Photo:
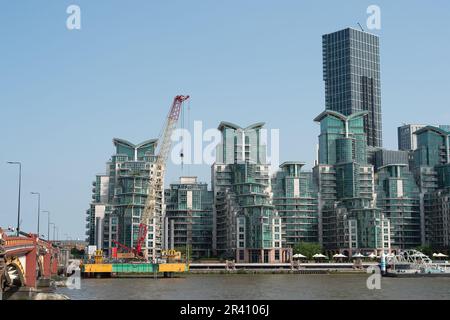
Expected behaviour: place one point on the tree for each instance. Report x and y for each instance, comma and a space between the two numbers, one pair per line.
307, 249
427, 250
77, 254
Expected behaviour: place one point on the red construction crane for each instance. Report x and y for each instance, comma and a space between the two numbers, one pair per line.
156, 184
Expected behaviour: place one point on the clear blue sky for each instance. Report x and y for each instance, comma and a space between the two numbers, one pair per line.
65, 94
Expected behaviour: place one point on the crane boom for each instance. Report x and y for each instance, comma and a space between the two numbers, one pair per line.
152, 210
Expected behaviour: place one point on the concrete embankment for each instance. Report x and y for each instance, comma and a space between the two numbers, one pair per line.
24, 293
278, 268
44, 290
276, 271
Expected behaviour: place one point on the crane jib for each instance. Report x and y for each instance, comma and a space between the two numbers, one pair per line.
176, 107
150, 209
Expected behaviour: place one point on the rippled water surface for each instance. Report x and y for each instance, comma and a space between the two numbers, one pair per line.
263, 286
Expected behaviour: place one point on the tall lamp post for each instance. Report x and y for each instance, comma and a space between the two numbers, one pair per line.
48, 224
20, 184
39, 209
54, 230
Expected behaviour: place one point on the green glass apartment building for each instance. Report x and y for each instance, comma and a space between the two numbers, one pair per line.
124, 191
432, 173
189, 217
349, 220
398, 196
247, 227
295, 198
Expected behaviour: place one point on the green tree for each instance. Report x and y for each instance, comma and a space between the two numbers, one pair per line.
428, 250
76, 254
307, 249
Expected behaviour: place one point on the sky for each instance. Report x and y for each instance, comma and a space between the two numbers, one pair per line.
65, 94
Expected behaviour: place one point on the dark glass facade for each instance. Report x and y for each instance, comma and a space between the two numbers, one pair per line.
351, 71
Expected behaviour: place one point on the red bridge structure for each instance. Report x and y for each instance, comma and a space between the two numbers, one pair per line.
25, 259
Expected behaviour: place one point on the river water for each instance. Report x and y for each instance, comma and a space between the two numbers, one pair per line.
260, 286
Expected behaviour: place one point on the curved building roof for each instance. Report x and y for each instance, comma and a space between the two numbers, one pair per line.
339, 115
117, 141
225, 124
440, 131
289, 163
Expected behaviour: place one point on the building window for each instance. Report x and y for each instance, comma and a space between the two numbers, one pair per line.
266, 256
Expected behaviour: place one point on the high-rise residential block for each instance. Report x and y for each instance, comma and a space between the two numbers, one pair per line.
383, 157
122, 191
351, 71
247, 227
295, 198
407, 140
399, 199
437, 218
433, 147
96, 212
432, 172
189, 223
349, 219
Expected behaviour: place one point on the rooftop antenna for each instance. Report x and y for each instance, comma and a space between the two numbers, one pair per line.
361, 27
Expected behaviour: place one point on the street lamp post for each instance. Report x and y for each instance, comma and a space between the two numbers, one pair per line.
20, 185
48, 224
39, 209
54, 228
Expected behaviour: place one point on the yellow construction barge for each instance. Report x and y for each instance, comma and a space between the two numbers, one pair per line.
99, 268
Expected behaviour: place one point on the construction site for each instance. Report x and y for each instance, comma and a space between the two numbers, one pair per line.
141, 252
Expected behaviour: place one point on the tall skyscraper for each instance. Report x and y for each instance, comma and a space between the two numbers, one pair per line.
351, 71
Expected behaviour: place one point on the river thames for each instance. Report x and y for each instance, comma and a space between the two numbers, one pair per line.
260, 286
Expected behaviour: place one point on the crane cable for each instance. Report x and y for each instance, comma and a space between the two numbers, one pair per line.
184, 127
189, 126
182, 138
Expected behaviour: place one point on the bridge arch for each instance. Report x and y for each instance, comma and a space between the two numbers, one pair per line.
14, 273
